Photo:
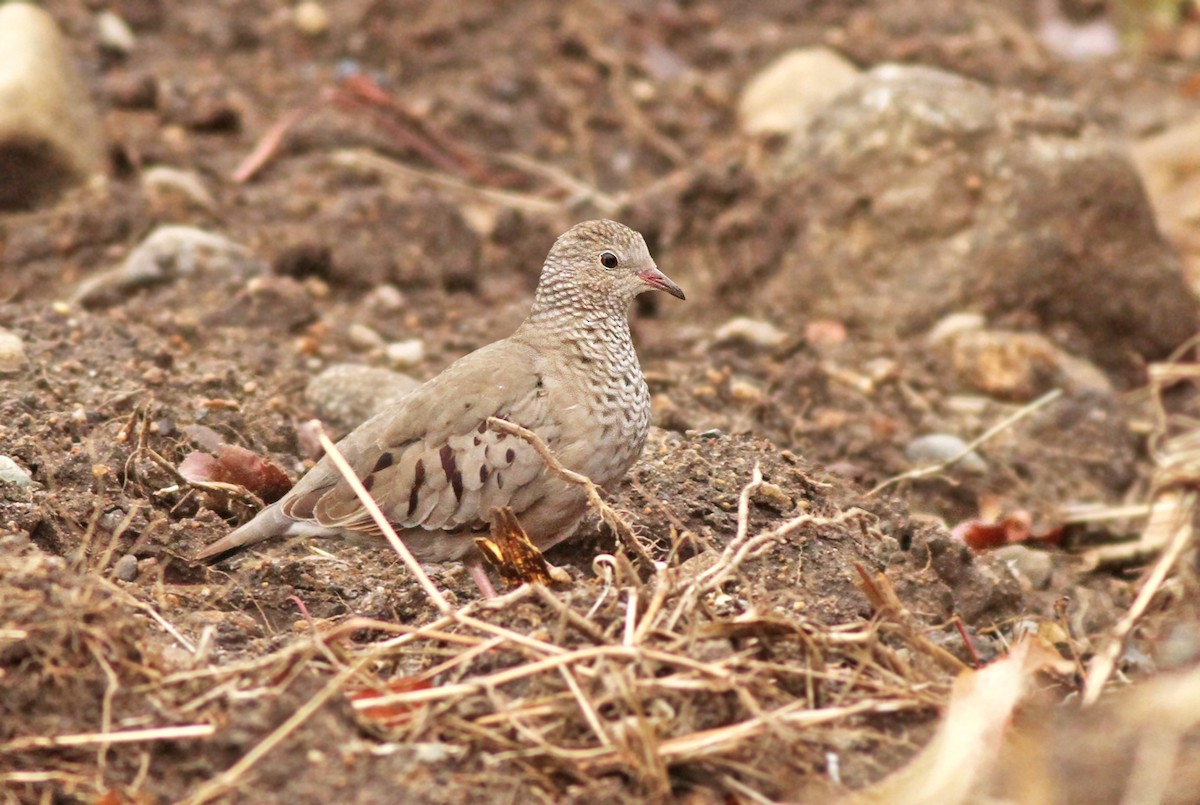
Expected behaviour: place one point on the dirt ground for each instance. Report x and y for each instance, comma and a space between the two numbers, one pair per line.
637, 100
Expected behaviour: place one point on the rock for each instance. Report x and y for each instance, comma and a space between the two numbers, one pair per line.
1019, 366
363, 338
50, 134
167, 253
1169, 163
783, 98
162, 183
1034, 566
126, 568
403, 354
279, 303
13, 473
921, 193
12, 352
952, 325
345, 395
750, 331
114, 34
311, 18
1077, 40
938, 448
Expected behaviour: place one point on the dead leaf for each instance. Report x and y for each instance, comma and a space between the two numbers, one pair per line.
237, 465
510, 551
979, 535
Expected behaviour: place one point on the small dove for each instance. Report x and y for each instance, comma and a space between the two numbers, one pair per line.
569, 373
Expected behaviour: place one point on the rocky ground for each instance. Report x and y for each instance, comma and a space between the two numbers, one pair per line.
930, 228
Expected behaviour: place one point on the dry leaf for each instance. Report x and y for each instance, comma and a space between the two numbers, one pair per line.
516, 558
968, 742
237, 465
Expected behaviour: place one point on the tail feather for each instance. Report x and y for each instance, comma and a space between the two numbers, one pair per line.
270, 522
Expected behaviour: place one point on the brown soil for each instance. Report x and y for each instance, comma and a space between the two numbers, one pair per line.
232, 349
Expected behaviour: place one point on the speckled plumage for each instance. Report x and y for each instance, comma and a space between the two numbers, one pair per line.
569, 373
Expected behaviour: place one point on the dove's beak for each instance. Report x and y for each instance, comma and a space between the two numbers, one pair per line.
656, 279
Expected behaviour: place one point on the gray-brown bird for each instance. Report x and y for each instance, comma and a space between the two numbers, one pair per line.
569, 373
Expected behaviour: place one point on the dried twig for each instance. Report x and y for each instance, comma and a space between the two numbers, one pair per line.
101, 738
607, 513
1105, 661
364, 497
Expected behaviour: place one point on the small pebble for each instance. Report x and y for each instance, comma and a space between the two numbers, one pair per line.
772, 495
126, 568
403, 354
936, 448
1034, 566
750, 331
745, 392
952, 325
12, 352
311, 18
114, 33
385, 298
13, 473
363, 337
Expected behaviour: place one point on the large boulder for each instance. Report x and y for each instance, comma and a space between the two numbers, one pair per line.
50, 133
921, 193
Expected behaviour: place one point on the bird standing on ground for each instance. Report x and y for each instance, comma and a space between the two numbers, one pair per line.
569, 373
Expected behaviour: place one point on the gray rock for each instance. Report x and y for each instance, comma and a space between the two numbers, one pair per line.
13, 473
1035, 567
924, 193
12, 352
167, 253
1018, 366
126, 568
345, 395
50, 134
936, 448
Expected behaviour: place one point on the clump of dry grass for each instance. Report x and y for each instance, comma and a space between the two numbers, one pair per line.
662, 673
71, 654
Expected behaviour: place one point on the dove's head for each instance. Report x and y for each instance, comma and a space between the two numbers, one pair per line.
599, 265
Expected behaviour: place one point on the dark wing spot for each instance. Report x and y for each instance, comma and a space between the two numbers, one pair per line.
384, 462
456, 483
499, 481
483, 473
418, 482
477, 441
368, 482
446, 454
483, 426
509, 456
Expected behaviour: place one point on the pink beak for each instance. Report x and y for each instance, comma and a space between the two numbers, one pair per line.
656, 279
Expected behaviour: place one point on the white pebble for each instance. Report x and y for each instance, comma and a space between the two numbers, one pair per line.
937, 448
12, 352
114, 33
751, 331
406, 353
311, 18
363, 337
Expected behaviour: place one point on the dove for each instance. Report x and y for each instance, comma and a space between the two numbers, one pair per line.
569, 373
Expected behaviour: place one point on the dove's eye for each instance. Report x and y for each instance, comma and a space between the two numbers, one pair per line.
608, 260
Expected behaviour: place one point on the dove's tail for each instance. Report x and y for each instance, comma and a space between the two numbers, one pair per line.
270, 522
